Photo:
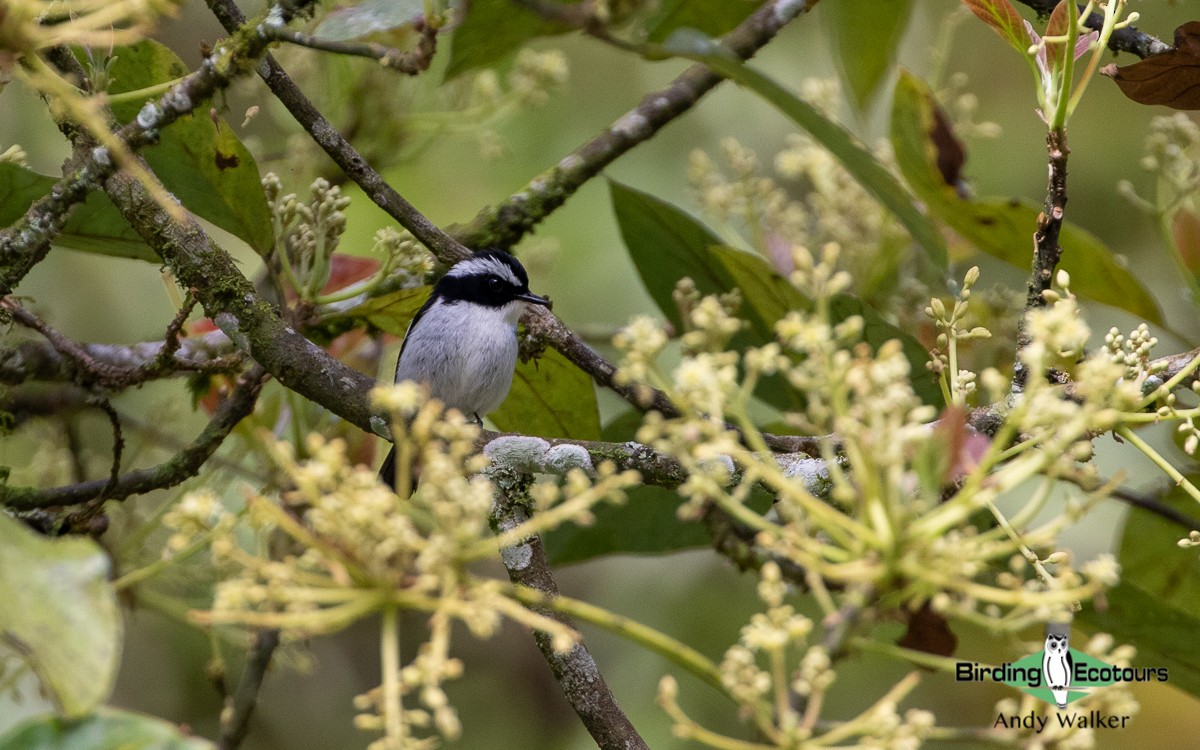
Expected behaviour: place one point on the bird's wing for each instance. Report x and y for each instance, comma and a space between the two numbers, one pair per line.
413, 324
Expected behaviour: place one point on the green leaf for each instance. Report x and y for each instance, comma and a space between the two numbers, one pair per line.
550, 397
1156, 607
866, 36
1004, 19
493, 30
107, 728
93, 227
391, 312
712, 17
369, 17
60, 615
666, 244
854, 157
1003, 228
201, 161
767, 296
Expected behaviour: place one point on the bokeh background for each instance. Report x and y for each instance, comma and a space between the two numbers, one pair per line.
507, 699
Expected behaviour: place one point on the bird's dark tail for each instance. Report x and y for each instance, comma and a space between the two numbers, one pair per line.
387, 472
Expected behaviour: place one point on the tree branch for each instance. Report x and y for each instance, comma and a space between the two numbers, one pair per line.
232, 302
182, 466
19, 405
1128, 39
235, 719
576, 671
210, 352
410, 62
504, 224
25, 243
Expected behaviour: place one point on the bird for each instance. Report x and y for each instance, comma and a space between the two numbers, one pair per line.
462, 344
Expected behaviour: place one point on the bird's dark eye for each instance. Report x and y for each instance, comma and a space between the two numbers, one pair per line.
495, 284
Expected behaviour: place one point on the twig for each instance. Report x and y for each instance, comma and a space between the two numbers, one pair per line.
183, 465
409, 62
109, 366
1128, 39
114, 421
504, 224
235, 718
1046, 252
1157, 507
576, 671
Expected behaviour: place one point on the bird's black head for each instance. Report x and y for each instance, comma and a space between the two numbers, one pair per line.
492, 278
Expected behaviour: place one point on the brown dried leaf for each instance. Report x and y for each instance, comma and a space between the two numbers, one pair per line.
1171, 79
928, 632
951, 154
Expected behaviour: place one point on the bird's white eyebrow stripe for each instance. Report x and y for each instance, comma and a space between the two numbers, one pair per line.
483, 266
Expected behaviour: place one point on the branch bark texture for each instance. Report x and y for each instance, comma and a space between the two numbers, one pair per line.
1128, 39
576, 671
25, 243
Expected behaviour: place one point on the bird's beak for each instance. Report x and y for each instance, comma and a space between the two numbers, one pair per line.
536, 299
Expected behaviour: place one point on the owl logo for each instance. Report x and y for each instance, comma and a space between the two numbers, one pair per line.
1057, 665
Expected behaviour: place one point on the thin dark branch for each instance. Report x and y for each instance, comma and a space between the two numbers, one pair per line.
1152, 504
118, 438
235, 719
1173, 364
504, 224
411, 62
447, 249
75, 445
1128, 39
132, 364
182, 466
576, 672
173, 336
19, 405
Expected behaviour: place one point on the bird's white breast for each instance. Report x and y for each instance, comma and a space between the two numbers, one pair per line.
465, 353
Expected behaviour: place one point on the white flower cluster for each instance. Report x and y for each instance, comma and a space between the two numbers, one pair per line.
779, 681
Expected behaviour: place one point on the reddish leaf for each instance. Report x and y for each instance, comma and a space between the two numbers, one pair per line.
1003, 17
1171, 79
347, 269
1187, 239
1062, 21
